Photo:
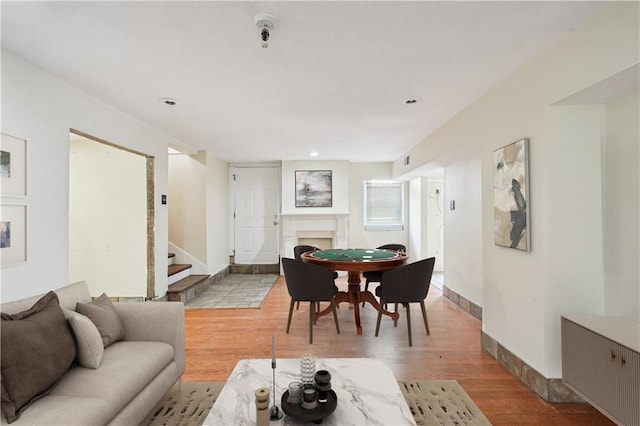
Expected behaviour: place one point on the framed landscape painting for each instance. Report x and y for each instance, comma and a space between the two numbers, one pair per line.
13, 166
511, 195
13, 234
313, 188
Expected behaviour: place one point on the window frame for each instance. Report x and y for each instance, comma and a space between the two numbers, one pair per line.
393, 224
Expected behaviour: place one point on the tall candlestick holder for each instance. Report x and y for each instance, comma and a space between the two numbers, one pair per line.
275, 413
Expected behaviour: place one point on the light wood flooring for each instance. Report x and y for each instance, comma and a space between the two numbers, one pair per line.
217, 338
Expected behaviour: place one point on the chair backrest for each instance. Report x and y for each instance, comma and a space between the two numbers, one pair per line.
299, 250
408, 283
395, 247
308, 282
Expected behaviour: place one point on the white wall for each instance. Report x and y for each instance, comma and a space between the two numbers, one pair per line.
463, 246
340, 193
41, 108
574, 240
187, 204
348, 197
358, 237
218, 221
517, 292
621, 206
107, 219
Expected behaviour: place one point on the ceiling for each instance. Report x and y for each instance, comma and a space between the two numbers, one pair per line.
334, 78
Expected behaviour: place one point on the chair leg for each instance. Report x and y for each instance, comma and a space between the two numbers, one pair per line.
378, 321
406, 306
395, 321
424, 316
297, 306
335, 316
312, 315
290, 314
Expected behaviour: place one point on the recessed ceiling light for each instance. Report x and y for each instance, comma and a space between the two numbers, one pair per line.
168, 101
314, 154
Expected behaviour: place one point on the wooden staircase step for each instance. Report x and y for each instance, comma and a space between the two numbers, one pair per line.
171, 255
174, 269
185, 283
187, 288
254, 269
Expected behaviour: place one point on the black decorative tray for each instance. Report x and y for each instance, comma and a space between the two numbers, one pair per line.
315, 415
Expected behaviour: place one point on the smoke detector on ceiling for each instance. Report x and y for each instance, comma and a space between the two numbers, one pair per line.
265, 23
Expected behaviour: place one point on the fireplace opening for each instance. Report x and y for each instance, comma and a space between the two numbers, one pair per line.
321, 243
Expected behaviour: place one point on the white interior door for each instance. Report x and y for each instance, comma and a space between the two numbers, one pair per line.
256, 201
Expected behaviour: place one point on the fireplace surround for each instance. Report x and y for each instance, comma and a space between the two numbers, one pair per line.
331, 229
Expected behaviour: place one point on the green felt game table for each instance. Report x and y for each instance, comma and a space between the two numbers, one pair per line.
356, 261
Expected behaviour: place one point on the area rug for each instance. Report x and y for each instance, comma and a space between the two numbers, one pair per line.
432, 402
441, 402
187, 404
235, 291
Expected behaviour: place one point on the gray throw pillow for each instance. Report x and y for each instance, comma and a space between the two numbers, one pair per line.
37, 348
88, 340
102, 313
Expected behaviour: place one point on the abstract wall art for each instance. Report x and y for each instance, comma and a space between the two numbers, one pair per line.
313, 188
511, 196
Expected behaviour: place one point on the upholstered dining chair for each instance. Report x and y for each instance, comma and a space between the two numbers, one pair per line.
298, 251
375, 276
404, 285
311, 283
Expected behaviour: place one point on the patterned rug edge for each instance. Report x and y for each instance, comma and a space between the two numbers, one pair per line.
432, 402
441, 402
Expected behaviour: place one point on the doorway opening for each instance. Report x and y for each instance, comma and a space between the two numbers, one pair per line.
111, 218
426, 220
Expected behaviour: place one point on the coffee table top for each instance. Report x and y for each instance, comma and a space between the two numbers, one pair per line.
367, 391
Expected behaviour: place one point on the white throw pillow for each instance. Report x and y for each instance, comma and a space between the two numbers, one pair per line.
88, 339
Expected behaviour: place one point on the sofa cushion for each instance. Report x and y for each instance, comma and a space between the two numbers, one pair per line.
55, 410
102, 313
37, 348
88, 340
126, 369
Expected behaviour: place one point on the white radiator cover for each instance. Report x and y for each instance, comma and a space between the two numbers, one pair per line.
601, 363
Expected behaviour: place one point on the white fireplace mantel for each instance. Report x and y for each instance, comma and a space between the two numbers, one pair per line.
297, 226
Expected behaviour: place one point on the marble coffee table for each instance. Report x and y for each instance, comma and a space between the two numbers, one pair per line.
367, 391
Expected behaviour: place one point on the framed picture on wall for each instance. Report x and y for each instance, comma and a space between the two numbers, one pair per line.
313, 188
13, 166
13, 234
511, 195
